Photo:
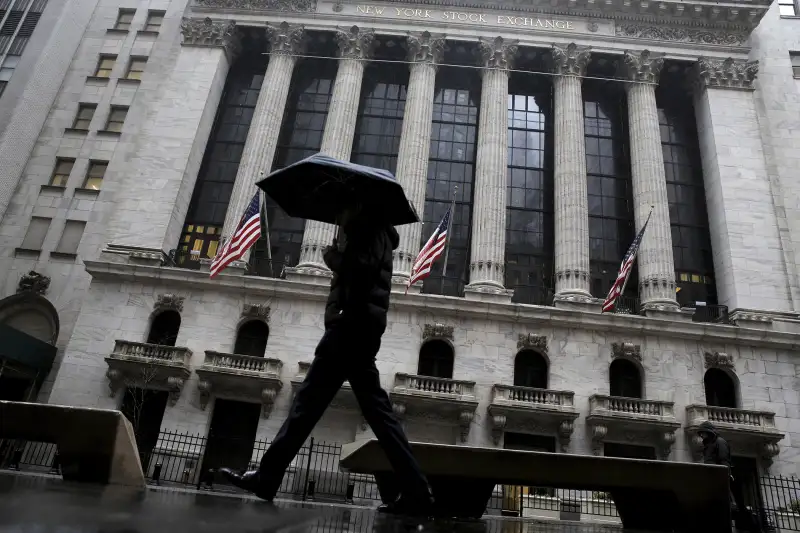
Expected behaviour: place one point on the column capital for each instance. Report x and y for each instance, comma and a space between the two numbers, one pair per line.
423, 47
571, 60
285, 38
355, 43
643, 66
497, 53
725, 73
210, 33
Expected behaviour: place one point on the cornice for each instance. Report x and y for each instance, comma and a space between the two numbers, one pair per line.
447, 308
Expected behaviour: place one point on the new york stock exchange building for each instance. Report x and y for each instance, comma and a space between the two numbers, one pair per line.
555, 126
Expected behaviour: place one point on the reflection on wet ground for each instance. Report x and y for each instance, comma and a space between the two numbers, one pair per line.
41, 504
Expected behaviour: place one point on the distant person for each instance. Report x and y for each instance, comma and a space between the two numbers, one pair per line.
355, 319
717, 452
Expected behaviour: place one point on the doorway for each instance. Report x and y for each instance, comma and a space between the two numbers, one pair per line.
144, 409
231, 436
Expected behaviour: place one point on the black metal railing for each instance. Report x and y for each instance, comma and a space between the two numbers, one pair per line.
713, 314
193, 460
450, 286
533, 295
627, 305
268, 268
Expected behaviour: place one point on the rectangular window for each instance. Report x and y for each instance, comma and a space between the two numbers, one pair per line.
136, 68
795, 56
84, 116
124, 19
61, 172
71, 237
104, 66
154, 20
37, 231
787, 8
95, 175
9, 64
116, 118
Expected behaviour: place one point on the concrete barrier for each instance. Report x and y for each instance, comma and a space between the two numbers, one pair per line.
648, 495
94, 445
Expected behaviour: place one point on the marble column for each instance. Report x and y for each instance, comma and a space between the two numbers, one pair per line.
487, 257
162, 169
286, 41
655, 262
571, 203
424, 52
355, 47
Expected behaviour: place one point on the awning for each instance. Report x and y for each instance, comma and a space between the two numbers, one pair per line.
19, 347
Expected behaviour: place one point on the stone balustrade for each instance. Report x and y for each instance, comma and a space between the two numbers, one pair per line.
436, 386
151, 352
242, 363
541, 411
743, 427
245, 377
731, 416
631, 406
531, 396
148, 366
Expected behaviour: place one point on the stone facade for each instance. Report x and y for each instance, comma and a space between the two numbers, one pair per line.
749, 142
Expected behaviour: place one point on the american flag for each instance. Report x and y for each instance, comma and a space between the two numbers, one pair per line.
247, 233
624, 270
431, 251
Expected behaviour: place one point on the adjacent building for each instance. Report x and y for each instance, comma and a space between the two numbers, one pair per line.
557, 128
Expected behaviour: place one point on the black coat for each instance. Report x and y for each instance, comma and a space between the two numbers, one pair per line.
715, 450
362, 277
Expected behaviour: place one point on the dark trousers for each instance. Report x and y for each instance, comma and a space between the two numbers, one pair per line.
344, 353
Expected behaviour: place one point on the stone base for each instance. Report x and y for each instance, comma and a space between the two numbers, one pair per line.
399, 285
234, 268
576, 302
314, 275
748, 318
667, 313
482, 293
118, 253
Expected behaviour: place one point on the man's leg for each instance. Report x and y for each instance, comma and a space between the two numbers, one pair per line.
377, 410
324, 378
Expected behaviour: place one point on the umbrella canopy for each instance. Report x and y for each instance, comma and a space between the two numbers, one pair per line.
321, 188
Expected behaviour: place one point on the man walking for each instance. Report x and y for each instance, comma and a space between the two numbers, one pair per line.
717, 452
355, 319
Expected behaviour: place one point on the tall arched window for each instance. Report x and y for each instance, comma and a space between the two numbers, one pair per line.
720, 388
625, 380
530, 370
251, 339
452, 163
436, 359
164, 328
529, 200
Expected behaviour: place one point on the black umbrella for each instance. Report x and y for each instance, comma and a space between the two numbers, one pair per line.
321, 187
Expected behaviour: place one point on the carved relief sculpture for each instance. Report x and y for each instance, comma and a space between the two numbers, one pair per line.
355, 43
718, 360
169, 302
726, 73
286, 38
627, 350
437, 331
259, 311
643, 66
687, 35
293, 6
425, 48
497, 53
33, 282
498, 426
532, 341
571, 60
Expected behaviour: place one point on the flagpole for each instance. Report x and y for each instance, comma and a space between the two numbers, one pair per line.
625, 284
449, 237
265, 227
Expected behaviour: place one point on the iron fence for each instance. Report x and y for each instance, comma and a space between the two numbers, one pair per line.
713, 314
193, 460
533, 295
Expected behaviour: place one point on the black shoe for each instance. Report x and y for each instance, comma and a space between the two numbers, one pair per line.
249, 481
409, 507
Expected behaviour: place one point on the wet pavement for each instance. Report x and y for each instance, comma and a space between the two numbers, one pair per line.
41, 504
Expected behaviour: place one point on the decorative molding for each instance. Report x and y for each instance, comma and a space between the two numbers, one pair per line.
425, 47
665, 445
464, 422
565, 429
599, 433
437, 331
285, 38
210, 33
532, 341
115, 380
719, 360
169, 301
725, 73
497, 53
399, 409
174, 386
644, 66
293, 6
258, 311
355, 43
626, 350
684, 35
268, 396
571, 60
33, 282
498, 427
204, 387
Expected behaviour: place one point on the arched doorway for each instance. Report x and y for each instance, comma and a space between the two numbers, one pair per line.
251, 339
720, 388
164, 328
625, 379
530, 370
436, 359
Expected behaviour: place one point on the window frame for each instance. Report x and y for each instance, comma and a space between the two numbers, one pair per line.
59, 161
78, 119
793, 4
119, 24
99, 68
110, 121
59, 250
94, 163
38, 248
794, 59
133, 60
149, 21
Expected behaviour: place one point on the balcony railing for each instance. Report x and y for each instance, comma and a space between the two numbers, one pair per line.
452, 286
633, 406
242, 363
730, 416
435, 386
627, 305
510, 394
151, 352
533, 295
713, 314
